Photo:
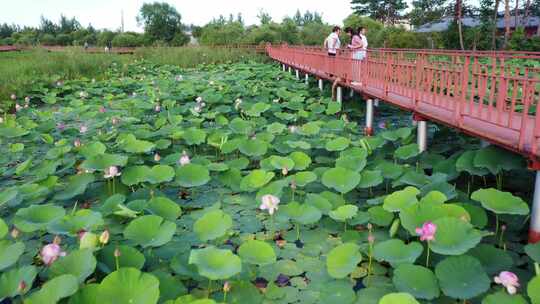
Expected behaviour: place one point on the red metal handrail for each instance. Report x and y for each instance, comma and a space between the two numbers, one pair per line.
485, 94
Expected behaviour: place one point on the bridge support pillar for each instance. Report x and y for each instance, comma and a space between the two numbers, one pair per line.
321, 84
422, 135
368, 130
534, 229
307, 79
290, 69
284, 67
297, 74
339, 94
351, 93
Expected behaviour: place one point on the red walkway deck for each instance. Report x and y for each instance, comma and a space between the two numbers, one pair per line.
490, 95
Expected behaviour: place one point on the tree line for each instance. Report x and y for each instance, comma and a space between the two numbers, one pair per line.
384, 19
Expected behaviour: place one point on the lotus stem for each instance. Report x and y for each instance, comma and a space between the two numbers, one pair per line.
209, 291
501, 239
496, 225
225, 297
537, 268
113, 186
74, 208
116, 262
345, 222
297, 232
427, 255
370, 262
272, 227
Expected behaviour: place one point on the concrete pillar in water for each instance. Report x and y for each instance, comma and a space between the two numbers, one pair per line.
321, 85
534, 229
369, 117
339, 94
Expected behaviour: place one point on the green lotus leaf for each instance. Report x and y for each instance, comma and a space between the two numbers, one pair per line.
104, 161
10, 253
71, 224
257, 109
150, 231
304, 214
257, 252
340, 179
304, 178
333, 108
256, 179
342, 260
129, 285
396, 252
80, 263
8, 195
496, 159
77, 185
192, 175
390, 170
502, 297
129, 257
215, 264
131, 144
401, 133
533, 289
53, 290
218, 167
373, 294
194, 136
417, 281
533, 251
160, 174
253, 147
402, 199
351, 162
276, 128
379, 216
310, 128
454, 236
462, 277
500, 202
37, 217
301, 160
3, 229
212, 225
11, 131
319, 201
85, 295
280, 163
135, 175
370, 179
299, 144
465, 163
398, 298
165, 208
338, 144
407, 152
241, 126
10, 280
344, 213
416, 215
16, 148
492, 258
92, 149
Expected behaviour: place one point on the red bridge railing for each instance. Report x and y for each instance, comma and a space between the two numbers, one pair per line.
491, 95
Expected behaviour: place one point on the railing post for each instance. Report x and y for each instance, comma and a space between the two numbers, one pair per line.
297, 75
307, 79
321, 84
368, 130
461, 102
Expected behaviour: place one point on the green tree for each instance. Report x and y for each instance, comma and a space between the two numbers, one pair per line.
386, 11
425, 11
46, 26
264, 17
161, 21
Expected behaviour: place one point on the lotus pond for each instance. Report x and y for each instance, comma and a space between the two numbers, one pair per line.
237, 184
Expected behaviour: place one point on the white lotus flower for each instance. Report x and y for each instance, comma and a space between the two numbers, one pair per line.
270, 203
293, 129
112, 171
237, 103
13, 96
184, 159
83, 129
199, 99
157, 157
18, 107
27, 99
157, 108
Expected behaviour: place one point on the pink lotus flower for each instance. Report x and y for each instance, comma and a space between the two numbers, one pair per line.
77, 143
112, 171
157, 108
102, 110
18, 107
184, 159
83, 129
50, 253
509, 280
382, 125
60, 126
179, 78
270, 203
427, 231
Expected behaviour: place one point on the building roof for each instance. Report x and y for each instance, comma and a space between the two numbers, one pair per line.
444, 23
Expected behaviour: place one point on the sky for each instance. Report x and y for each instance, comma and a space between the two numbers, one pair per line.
107, 13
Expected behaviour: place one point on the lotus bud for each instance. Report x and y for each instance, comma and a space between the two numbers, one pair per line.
60, 126
83, 129
102, 110
293, 184
22, 287
184, 159
104, 237
394, 228
77, 143
157, 157
281, 243
27, 99
117, 253
157, 108
26, 106
13, 97
15, 233
50, 253
371, 238
226, 286
18, 107
88, 240
114, 121
369, 226
284, 171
